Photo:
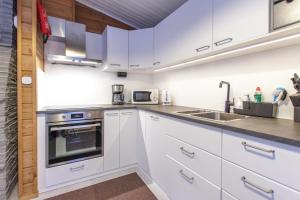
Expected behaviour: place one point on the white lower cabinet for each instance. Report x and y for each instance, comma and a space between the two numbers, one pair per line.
245, 184
201, 162
142, 155
70, 172
111, 140
155, 142
226, 196
273, 160
207, 138
120, 134
128, 136
182, 183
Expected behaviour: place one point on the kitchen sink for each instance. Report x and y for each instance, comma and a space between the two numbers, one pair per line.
191, 112
219, 116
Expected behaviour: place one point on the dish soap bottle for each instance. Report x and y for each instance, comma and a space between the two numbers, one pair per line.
258, 95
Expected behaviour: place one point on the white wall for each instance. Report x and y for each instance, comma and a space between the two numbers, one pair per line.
73, 85
195, 86
199, 86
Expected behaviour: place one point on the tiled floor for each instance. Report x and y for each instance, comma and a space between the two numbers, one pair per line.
129, 187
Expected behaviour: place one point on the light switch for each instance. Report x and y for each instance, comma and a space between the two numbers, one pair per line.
26, 80
16, 21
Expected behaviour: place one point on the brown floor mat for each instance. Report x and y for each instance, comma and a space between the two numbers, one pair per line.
129, 187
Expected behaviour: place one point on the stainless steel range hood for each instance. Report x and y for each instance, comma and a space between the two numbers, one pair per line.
74, 36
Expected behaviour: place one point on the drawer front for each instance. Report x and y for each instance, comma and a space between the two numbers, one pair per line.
204, 137
182, 183
245, 184
273, 160
226, 196
70, 172
201, 162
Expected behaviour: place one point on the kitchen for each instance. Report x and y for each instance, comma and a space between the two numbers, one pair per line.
180, 99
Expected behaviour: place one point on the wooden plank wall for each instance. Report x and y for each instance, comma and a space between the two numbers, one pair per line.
64, 9
96, 21
27, 59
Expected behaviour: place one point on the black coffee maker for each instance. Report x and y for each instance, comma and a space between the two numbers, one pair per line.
117, 94
295, 98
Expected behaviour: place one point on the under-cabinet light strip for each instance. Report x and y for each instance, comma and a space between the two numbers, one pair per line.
229, 52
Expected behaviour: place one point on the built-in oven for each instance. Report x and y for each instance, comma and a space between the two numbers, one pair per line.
73, 136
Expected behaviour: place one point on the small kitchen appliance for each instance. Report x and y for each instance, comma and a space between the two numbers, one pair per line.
148, 96
166, 97
285, 13
117, 94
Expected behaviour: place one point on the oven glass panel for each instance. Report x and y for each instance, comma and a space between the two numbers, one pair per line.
142, 96
70, 142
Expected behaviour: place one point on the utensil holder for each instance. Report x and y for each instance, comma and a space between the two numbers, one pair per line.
268, 110
295, 98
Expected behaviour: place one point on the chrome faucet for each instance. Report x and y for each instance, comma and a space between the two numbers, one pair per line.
228, 103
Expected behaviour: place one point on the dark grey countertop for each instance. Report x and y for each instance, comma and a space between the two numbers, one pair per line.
279, 130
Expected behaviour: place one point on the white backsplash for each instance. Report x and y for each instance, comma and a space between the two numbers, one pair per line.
195, 86
199, 86
74, 85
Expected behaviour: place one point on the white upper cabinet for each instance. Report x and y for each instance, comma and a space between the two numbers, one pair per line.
115, 49
236, 21
141, 50
93, 46
184, 34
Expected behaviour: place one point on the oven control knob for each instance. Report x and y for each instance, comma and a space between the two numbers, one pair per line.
88, 115
64, 116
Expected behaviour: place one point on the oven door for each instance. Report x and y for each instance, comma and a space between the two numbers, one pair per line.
141, 96
71, 142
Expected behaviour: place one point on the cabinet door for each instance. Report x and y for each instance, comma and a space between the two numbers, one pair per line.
142, 155
94, 46
155, 148
111, 140
116, 47
128, 137
141, 48
186, 33
236, 21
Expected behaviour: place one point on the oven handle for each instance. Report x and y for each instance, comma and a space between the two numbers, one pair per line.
74, 127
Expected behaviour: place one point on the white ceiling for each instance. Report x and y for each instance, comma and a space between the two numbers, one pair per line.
137, 13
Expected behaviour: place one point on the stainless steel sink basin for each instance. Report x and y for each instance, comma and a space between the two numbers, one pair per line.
219, 116
191, 112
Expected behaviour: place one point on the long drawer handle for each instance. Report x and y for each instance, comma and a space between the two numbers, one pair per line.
203, 48
134, 65
258, 148
154, 118
187, 153
186, 177
115, 65
268, 191
74, 127
156, 63
222, 42
112, 114
75, 169
126, 113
